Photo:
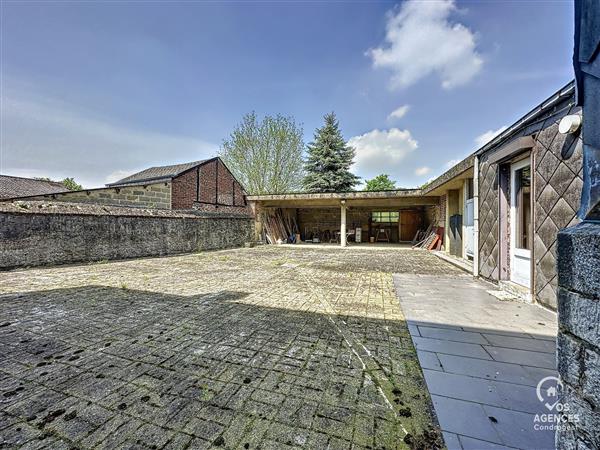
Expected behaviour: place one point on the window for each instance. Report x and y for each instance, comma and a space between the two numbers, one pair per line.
385, 216
523, 208
470, 189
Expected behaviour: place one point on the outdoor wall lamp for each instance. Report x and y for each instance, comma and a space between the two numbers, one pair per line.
569, 124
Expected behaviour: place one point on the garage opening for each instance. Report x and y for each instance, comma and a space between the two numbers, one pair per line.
363, 225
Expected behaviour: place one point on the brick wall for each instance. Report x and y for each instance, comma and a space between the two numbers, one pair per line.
39, 233
183, 190
442, 211
557, 182
146, 196
219, 191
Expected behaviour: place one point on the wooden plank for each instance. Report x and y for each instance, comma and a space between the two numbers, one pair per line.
436, 238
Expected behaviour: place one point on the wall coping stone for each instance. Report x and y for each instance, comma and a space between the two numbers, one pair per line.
91, 209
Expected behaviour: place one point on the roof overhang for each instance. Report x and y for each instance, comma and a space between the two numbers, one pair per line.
381, 199
512, 149
456, 182
453, 178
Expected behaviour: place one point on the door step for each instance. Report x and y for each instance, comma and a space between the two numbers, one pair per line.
521, 293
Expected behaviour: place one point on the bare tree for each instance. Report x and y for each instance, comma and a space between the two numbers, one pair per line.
265, 156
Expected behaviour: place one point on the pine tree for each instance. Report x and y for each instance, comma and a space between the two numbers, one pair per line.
329, 160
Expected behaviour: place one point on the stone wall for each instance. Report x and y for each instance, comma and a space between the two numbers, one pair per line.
41, 233
146, 196
557, 172
579, 334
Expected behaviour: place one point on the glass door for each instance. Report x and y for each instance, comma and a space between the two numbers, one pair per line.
521, 237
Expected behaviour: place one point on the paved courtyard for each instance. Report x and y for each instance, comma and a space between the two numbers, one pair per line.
482, 359
248, 348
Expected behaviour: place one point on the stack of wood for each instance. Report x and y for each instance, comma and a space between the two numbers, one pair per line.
421, 235
429, 239
279, 225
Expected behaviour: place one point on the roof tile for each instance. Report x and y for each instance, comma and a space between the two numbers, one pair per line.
12, 187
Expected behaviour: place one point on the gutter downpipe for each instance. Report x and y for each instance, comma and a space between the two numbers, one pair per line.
476, 216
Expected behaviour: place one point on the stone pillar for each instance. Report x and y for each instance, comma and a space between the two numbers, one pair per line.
579, 334
343, 223
578, 261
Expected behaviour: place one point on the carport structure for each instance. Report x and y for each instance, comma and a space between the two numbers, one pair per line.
379, 216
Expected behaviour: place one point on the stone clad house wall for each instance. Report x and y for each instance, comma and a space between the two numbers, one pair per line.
557, 183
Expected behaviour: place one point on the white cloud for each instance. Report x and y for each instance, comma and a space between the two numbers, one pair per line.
486, 137
382, 151
421, 39
45, 137
398, 113
420, 171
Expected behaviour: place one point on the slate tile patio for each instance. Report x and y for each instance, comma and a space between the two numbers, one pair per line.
482, 359
249, 348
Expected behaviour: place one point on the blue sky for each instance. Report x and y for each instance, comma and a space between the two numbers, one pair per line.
101, 89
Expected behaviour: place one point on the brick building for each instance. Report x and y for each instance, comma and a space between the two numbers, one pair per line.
207, 186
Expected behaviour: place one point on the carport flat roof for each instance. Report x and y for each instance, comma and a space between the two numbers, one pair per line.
399, 197
339, 195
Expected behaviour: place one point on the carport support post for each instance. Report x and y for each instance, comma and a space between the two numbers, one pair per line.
343, 223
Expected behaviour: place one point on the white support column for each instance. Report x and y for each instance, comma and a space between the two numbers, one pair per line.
476, 216
465, 198
343, 224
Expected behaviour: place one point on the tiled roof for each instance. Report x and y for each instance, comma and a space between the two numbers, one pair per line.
12, 187
156, 174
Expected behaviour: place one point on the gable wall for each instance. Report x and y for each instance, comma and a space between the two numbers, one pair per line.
183, 192
209, 188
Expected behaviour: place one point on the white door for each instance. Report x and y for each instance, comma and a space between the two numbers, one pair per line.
521, 238
469, 221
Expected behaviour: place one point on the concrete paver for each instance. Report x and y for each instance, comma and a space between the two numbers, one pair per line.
482, 359
267, 347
